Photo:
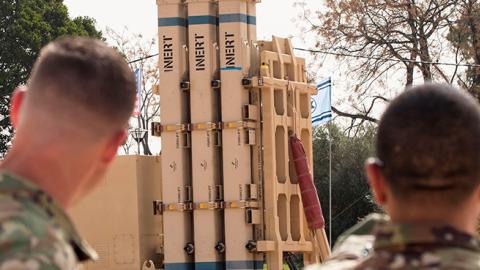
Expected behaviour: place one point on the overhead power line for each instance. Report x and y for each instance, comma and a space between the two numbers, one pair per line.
143, 58
386, 59
353, 56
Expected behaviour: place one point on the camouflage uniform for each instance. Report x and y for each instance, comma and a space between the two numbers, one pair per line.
376, 243
35, 232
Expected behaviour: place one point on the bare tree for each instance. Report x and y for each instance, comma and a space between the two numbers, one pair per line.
138, 52
382, 30
128, 145
373, 37
465, 36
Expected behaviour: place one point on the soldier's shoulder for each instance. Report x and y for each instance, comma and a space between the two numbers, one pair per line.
353, 246
458, 258
19, 219
334, 265
363, 228
357, 242
29, 240
349, 254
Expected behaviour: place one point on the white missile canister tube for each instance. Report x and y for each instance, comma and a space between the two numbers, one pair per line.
204, 116
174, 111
237, 171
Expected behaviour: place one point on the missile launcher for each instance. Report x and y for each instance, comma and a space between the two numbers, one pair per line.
229, 192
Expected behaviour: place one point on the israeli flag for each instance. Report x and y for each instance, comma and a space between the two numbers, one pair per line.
322, 103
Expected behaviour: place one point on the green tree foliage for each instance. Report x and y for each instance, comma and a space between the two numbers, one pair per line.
351, 197
25, 27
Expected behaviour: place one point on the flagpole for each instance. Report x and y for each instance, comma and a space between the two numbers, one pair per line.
330, 173
138, 109
329, 186
322, 113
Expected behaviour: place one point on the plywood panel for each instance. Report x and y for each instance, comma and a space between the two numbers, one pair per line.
117, 217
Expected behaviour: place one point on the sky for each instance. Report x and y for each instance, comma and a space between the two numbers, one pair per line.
274, 17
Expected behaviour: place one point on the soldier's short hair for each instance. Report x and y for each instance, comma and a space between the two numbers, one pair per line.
428, 142
79, 77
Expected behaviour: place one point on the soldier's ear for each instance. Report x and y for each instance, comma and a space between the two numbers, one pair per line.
376, 181
477, 194
16, 104
111, 148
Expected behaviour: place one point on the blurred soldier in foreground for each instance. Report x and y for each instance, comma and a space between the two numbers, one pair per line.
426, 178
69, 122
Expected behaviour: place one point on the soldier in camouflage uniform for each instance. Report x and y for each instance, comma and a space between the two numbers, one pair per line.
426, 178
69, 121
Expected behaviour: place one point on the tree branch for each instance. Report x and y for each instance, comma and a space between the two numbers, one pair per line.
354, 116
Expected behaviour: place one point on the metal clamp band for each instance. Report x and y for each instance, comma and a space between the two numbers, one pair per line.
242, 204
158, 128
237, 125
204, 126
176, 128
208, 205
180, 207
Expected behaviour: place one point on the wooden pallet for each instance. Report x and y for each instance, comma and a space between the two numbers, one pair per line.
285, 96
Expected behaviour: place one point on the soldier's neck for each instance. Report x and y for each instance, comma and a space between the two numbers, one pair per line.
461, 218
47, 167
